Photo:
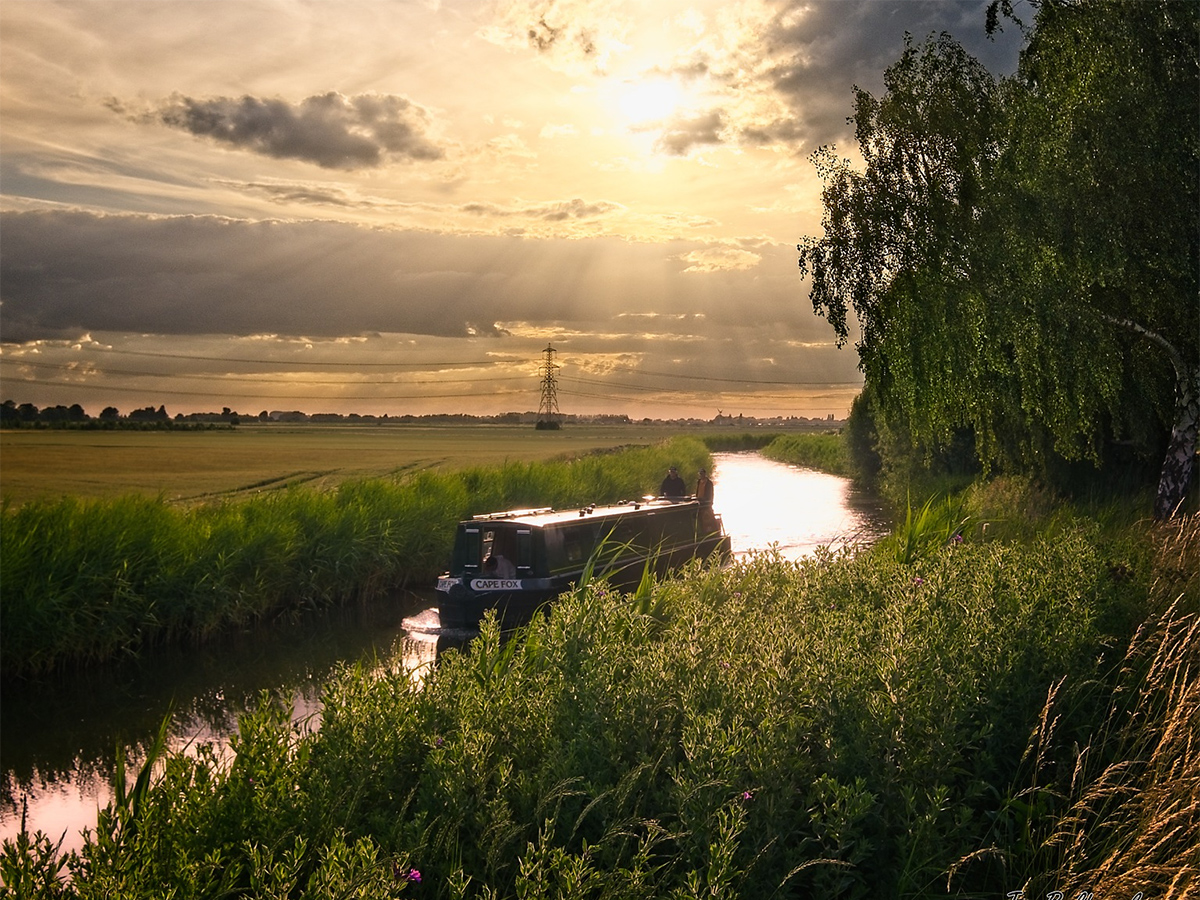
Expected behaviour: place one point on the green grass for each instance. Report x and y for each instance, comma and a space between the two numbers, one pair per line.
846, 726
89, 580
825, 452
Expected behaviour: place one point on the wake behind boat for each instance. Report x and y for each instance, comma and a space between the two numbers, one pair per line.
516, 560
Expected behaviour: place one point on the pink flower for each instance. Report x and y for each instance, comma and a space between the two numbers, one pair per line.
414, 875
747, 795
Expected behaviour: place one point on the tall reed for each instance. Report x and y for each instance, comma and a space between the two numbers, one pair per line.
88, 581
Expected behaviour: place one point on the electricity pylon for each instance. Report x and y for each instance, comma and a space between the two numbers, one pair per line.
548, 407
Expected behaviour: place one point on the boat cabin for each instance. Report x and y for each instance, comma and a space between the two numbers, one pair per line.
543, 551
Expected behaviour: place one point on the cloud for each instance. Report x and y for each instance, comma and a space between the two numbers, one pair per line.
331, 130
714, 259
682, 133
308, 194
782, 71
570, 35
559, 211
65, 273
554, 131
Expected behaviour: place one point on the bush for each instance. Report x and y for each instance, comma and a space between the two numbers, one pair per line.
849, 725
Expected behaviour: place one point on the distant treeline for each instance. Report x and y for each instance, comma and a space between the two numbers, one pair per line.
27, 415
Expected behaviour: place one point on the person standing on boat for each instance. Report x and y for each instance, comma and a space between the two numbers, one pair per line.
704, 489
672, 485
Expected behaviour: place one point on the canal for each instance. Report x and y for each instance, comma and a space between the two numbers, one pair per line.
59, 738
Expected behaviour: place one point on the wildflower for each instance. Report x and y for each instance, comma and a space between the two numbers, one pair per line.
737, 595
918, 581
747, 795
724, 664
413, 875
958, 538
438, 741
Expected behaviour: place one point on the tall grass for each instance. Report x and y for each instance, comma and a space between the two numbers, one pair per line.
738, 441
845, 726
825, 452
939, 521
88, 581
1118, 807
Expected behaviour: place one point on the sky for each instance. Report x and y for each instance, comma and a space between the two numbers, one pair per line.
396, 206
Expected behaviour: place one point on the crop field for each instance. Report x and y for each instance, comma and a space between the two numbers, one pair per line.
200, 465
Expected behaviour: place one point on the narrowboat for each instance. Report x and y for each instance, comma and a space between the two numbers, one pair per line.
517, 560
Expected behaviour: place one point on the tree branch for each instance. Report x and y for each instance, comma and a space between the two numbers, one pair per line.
1181, 369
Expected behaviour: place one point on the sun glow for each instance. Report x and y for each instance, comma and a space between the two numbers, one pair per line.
649, 101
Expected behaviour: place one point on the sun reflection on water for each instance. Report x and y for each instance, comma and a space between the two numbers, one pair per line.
767, 504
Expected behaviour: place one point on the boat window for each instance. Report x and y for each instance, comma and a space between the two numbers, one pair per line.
524, 548
577, 542
471, 555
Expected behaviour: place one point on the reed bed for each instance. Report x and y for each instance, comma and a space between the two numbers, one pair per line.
825, 452
89, 581
853, 725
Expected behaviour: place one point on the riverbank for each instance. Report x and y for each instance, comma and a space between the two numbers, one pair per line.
1007, 709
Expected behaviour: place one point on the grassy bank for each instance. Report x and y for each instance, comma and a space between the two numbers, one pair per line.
824, 452
1012, 710
90, 580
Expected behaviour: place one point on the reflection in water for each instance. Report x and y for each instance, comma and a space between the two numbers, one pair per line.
58, 737
768, 504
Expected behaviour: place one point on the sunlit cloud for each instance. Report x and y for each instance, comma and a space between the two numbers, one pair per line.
575, 36
713, 259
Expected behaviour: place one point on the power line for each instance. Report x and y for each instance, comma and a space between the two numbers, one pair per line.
749, 402
730, 381
289, 397
67, 367
284, 362
638, 371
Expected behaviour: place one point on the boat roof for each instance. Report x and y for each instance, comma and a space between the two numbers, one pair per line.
550, 516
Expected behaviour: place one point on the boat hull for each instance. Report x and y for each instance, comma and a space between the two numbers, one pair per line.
466, 600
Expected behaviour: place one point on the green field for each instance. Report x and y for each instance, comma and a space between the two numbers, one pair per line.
199, 465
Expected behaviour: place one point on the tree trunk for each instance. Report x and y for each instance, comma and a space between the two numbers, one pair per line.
1177, 466
1181, 451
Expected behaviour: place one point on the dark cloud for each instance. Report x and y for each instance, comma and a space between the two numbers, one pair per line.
65, 272
561, 211
820, 51
681, 133
314, 194
330, 130
815, 52
553, 29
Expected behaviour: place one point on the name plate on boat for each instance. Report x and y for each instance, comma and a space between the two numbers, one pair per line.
495, 584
